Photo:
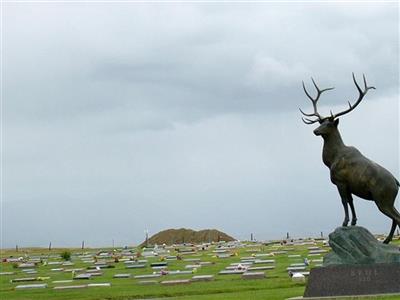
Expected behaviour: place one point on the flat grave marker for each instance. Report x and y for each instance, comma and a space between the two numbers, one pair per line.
298, 277
146, 276
57, 270
6, 273
26, 265
317, 251
175, 282
126, 275
24, 279
62, 281
253, 275
203, 278
223, 255
250, 258
147, 282
192, 266
231, 272
70, 287
95, 273
294, 269
83, 276
159, 267
31, 286
135, 266
261, 268
264, 261
159, 264
179, 272
298, 265
191, 259
106, 284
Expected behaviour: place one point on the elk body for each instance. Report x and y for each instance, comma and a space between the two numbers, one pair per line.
350, 171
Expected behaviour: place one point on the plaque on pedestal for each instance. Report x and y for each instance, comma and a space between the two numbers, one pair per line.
344, 280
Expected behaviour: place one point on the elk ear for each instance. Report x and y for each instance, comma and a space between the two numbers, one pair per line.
336, 122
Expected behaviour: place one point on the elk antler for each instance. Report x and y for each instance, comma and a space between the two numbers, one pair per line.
362, 93
314, 103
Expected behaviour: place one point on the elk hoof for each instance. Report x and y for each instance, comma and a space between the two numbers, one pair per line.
387, 240
353, 222
345, 223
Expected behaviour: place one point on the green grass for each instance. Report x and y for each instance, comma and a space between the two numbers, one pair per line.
277, 285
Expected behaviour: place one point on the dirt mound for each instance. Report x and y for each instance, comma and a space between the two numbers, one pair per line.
183, 235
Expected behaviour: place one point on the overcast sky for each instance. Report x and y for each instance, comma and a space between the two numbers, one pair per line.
123, 117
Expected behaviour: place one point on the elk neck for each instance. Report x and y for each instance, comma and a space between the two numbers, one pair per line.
333, 144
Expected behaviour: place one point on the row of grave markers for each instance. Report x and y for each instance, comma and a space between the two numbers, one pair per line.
249, 267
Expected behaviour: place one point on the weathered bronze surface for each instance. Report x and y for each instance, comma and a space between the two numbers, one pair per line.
350, 171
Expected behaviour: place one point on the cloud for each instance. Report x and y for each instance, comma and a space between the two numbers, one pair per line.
196, 58
159, 115
274, 72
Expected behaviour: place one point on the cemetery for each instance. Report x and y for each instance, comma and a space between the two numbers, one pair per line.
216, 270
132, 115
209, 264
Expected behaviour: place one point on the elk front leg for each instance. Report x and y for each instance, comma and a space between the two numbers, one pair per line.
344, 195
346, 212
353, 211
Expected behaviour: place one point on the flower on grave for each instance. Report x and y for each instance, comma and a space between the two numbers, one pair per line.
42, 278
164, 272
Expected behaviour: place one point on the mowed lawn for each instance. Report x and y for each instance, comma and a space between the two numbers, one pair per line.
276, 285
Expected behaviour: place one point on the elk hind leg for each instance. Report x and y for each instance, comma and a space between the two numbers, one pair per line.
390, 236
392, 213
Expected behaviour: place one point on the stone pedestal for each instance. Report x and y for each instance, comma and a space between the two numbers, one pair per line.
357, 265
355, 245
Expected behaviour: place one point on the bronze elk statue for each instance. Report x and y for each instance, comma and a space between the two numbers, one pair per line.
350, 171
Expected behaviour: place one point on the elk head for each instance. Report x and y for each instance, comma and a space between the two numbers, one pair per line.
330, 123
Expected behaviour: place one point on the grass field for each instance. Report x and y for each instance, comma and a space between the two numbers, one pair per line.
276, 285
